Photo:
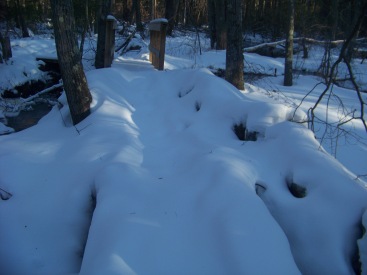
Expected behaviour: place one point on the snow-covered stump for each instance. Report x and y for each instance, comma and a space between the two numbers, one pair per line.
157, 46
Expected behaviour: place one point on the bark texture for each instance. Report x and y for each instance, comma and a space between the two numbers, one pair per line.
21, 21
217, 23
170, 14
288, 68
105, 8
6, 52
74, 80
234, 54
137, 11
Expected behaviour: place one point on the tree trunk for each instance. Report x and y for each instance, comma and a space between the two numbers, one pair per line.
234, 54
74, 80
136, 10
211, 21
221, 25
125, 11
98, 12
217, 24
170, 14
101, 41
334, 18
2, 49
356, 7
288, 68
153, 10
6, 48
85, 27
22, 24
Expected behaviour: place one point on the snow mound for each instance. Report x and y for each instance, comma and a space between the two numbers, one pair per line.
156, 181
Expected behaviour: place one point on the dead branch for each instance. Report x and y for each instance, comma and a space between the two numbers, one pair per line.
126, 43
330, 77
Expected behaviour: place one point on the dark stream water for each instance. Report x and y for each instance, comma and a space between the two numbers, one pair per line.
41, 106
28, 118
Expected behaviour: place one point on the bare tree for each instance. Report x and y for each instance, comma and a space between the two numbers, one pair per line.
288, 68
153, 8
20, 14
330, 79
85, 25
5, 52
137, 12
170, 14
126, 12
211, 21
105, 8
5, 47
234, 54
217, 23
74, 80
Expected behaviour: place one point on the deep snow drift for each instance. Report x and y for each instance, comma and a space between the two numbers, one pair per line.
174, 191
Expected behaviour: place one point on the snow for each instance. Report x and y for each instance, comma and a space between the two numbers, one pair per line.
111, 17
174, 190
159, 20
362, 243
22, 67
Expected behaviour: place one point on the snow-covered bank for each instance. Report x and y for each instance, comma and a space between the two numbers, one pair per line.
175, 189
156, 181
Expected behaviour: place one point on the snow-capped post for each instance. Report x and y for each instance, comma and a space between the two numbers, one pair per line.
111, 26
157, 46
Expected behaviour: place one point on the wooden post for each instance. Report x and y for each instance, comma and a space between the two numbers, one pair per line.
110, 41
157, 46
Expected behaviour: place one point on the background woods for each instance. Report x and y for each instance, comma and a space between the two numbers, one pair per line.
227, 27
331, 19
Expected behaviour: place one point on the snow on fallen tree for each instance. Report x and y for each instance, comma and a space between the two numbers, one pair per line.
299, 39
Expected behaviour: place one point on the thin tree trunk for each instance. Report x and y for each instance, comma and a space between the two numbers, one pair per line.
217, 24
136, 10
101, 41
334, 18
170, 14
125, 11
288, 68
6, 48
185, 13
153, 4
211, 21
85, 27
74, 80
234, 54
221, 26
355, 9
2, 48
22, 24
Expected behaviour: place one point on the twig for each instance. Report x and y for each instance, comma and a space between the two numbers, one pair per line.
126, 43
299, 105
334, 67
